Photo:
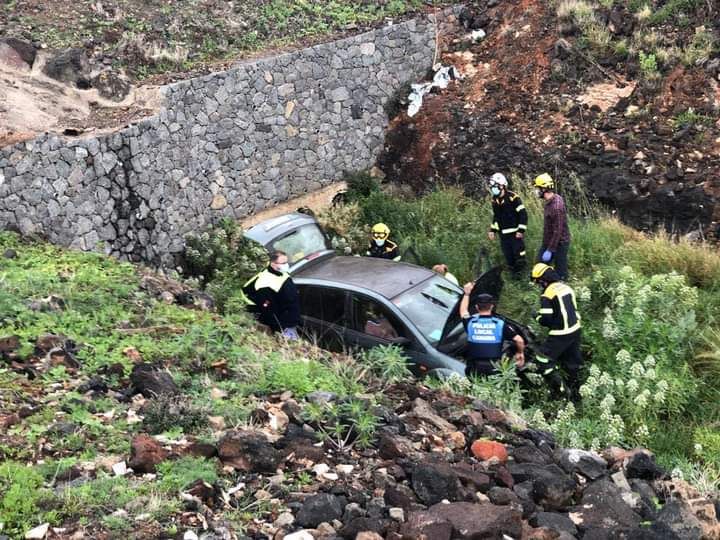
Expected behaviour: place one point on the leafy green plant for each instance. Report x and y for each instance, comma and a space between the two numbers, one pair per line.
388, 363
690, 118
21, 493
343, 425
648, 66
224, 257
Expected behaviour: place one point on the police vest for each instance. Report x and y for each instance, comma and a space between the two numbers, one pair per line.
485, 336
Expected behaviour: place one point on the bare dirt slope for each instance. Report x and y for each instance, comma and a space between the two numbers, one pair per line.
539, 96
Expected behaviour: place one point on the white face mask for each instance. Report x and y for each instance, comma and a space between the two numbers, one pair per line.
285, 267
379, 242
495, 191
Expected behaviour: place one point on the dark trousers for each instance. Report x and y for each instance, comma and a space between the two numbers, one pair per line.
562, 352
514, 251
477, 367
559, 260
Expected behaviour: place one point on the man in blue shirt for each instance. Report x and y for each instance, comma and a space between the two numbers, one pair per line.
486, 334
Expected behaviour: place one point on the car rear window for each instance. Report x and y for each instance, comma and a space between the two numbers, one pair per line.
429, 306
305, 242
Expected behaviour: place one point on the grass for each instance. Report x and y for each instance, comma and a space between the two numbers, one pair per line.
445, 226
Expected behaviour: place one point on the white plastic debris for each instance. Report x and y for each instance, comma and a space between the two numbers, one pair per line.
477, 35
441, 80
38, 532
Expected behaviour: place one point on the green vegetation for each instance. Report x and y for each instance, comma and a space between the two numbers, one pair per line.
651, 369
148, 39
690, 118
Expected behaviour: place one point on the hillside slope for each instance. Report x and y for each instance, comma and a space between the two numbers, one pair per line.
623, 95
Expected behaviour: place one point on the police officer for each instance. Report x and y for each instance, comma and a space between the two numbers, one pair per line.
510, 221
558, 312
274, 297
486, 334
380, 244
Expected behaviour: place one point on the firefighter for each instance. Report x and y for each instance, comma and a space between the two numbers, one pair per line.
486, 334
380, 244
558, 313
556, 233
274, 297
509, 221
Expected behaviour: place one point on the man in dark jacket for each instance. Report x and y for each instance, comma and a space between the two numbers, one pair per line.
556, 233
509, 221
275, 299
558, 313
486, 334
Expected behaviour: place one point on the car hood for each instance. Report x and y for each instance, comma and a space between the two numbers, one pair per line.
489, 282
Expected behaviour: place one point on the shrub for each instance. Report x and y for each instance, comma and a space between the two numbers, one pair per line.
343, 425
166, 412
701, 47
690, 118
388, 363
223, 257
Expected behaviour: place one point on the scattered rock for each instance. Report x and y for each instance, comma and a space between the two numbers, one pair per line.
555, 522
679, 518
603, 507
69, 66
554, 492
145, 454
642, 465
434, 482
321, 397
151, 382
248, 451
111, 85
38, 533
394, 446
299, 535
485, 450
427, 525
17, 54
589, 464
319, 508
470, 520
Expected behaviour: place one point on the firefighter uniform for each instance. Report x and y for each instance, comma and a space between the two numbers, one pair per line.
389, 250
510, 218
558, 313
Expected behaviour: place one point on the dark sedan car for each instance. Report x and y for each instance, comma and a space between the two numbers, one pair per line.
349, 302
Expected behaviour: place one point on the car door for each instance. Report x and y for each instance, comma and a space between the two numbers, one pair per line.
372, 323
323, 312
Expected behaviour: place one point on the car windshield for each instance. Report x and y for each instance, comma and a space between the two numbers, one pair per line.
429, 306
305, 242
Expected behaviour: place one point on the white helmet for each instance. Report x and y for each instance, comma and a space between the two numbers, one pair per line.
498, 179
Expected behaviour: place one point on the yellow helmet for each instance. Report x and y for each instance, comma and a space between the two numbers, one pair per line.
380, 231
544, 181
539, 270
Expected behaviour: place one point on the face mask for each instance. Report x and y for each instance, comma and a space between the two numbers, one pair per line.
539, 193
283, 267
495, 191
379, 242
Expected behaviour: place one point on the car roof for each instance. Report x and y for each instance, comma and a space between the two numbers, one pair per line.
385, 277
271, 229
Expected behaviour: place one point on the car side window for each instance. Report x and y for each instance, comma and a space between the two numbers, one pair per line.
323, 303
374, 319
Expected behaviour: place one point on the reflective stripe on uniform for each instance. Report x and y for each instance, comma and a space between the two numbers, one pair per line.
494, 227
522, 253
508, 231
269, 280
522, 227
545, 311
521, 207
565, 331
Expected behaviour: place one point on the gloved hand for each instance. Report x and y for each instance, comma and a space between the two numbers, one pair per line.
547, 255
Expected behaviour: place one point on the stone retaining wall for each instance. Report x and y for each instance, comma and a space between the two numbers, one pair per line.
227, 144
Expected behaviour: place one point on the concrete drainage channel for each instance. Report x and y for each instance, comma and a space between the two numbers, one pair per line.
230, 144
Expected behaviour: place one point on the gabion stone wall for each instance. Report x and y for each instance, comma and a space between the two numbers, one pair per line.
227, 144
